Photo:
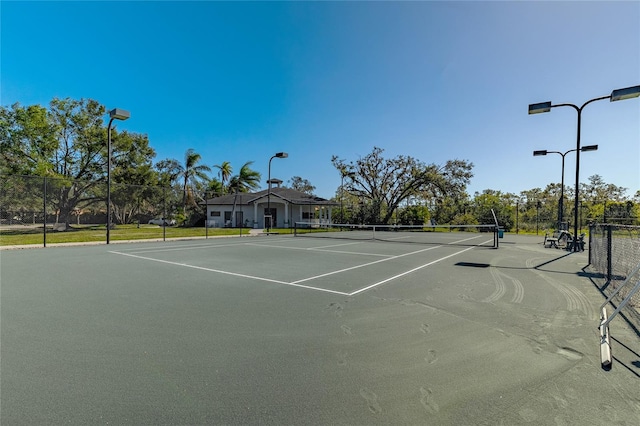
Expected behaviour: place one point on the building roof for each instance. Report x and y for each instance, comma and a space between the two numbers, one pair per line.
290, 195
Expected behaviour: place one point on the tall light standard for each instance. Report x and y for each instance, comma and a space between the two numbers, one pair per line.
616, 95
115, 114
343, 173
277, 155
545, 152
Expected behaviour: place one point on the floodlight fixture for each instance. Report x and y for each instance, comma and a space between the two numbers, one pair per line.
540, 108
119, 114
626, 93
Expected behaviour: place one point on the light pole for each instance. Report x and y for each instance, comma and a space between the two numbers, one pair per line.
343, 173
616, 95
277, 155
115, 114
561, 203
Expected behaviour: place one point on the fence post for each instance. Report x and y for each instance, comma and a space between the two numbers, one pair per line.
592, 229
206, 208
44, 206
609, 250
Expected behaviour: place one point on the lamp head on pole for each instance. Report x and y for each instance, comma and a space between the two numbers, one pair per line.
281, 155
119, 114
540, 108
626, 93
541, 152
589, 148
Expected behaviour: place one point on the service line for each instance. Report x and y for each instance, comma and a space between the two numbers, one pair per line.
201, 268
379, 283
365, 264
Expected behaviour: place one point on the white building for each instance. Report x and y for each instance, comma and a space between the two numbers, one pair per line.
277, 208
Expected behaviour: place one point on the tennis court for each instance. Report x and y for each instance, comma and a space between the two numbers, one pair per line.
288, 330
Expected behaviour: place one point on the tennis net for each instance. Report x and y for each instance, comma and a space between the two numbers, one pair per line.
464, 235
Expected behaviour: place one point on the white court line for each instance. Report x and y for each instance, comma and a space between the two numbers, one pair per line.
338, 245
296, 283
407, 272
190, 247
470, 238
452, 242
320, 249
181, 248
364, 264
293, 284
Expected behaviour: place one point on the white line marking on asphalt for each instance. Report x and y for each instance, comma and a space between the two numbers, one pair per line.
297, 282
365, 264
407, 272
293, 284
320, 249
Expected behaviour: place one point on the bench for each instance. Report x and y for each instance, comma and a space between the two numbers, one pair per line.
551, 240
556, 239
579, 242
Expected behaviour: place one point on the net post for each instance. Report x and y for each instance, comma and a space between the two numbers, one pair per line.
496, 229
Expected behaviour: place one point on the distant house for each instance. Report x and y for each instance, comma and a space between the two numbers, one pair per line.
278, 208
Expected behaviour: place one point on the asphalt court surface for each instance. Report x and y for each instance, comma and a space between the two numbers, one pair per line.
283, 330
330, 265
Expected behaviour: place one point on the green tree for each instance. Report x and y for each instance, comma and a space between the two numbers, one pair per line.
134, 180
224, 172
214, 188
27, 140
501, 204
302, 185
246, 180
382, 184
169, 171
413, 215
167, 198
68, 143
192, 174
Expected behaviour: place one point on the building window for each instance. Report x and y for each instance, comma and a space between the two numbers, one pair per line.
215, 214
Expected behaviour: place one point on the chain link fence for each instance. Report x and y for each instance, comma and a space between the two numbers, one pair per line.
31, 207
614, 253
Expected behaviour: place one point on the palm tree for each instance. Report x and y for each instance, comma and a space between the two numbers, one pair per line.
214, 188
192, 173
224, 171
246, 180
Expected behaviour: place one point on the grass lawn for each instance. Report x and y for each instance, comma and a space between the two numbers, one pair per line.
89, 233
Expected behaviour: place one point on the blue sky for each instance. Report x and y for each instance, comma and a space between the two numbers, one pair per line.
239, 81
